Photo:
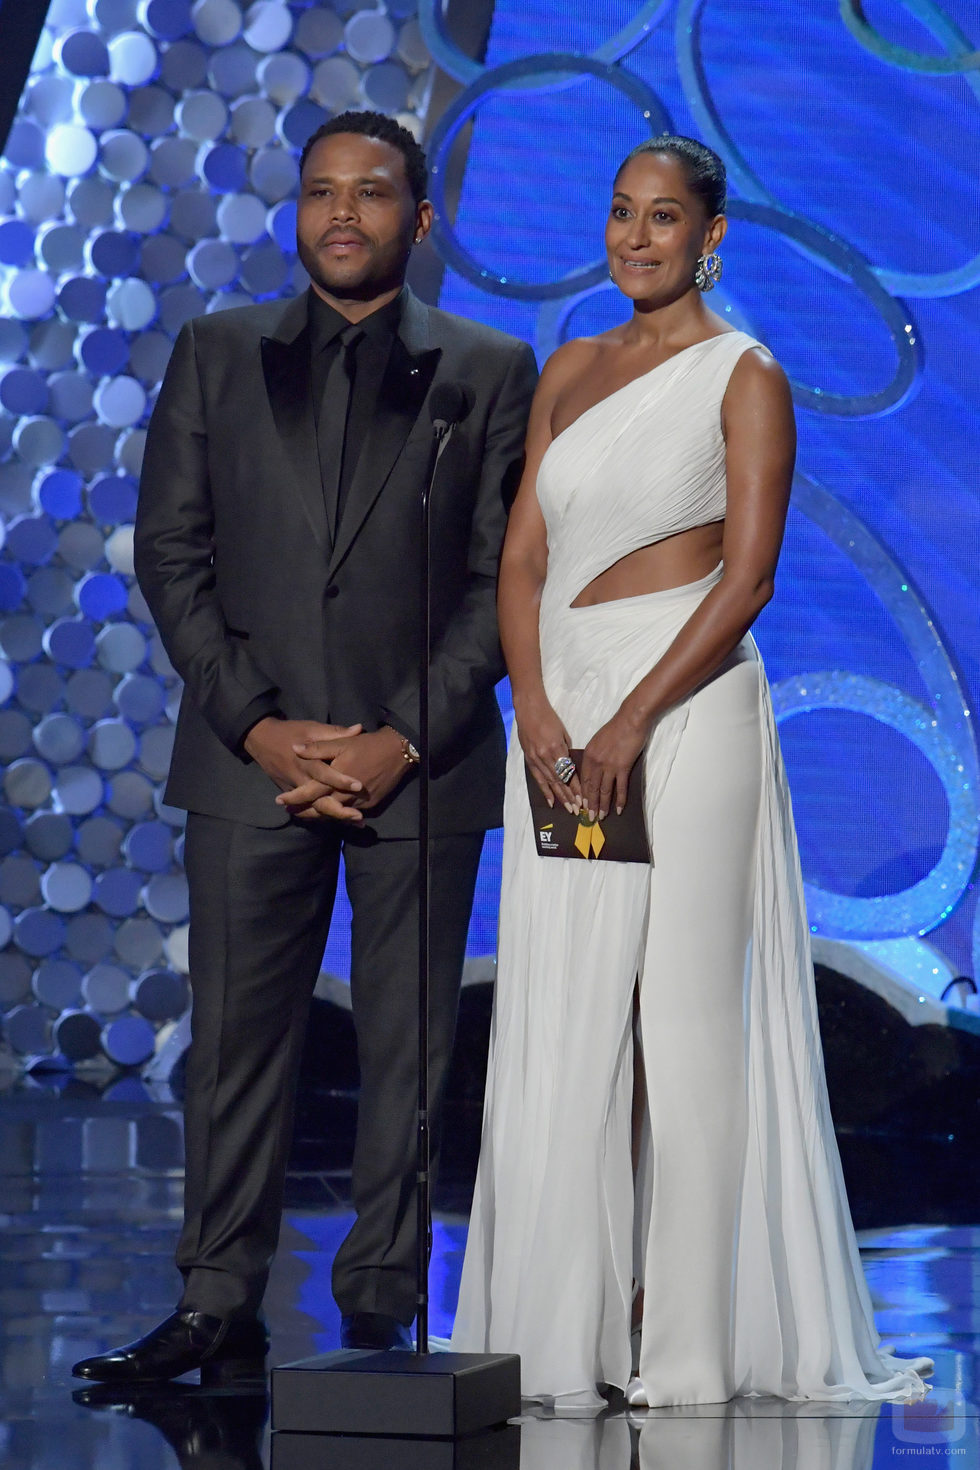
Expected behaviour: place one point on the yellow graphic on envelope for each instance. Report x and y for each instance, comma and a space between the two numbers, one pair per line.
589, 838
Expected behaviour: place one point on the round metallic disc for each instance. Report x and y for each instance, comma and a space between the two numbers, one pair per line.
131, 305
151, 111
78, 1035
39, 440
193, 214
217, 22
41, 197
39, 688
71, 149
202, 116
283, 77
232, 70
253, 122
159, 995
212, 264
59, 739
27, 1029
133, 58
71, 396
369, 36
117, 892
139, 943
106, 989
98, 842
149, 847
88, 693
142, 207
148, 358
38, 932
274, 174
49, 835
15, 970
27, 783
130, 795
61, 248
156, 749
165, 898
111, 745
91, 448
30, 294
184, 66
102, 104
49, 590
319, 31
385, 87
82, 53
90, 202
80, 546
21, 637
57, 983
336, 83
20, 882
129, 1040
52, 344
67, 888
88, 938
78, 790
123, 156
173, 161
16, 734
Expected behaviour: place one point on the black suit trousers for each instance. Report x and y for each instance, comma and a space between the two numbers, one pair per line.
261, 902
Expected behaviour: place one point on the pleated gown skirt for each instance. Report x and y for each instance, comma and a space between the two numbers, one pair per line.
736, 1222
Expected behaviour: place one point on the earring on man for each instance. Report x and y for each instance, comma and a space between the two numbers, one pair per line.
708, 272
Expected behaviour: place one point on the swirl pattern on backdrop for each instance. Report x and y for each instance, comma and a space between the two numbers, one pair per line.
940, 729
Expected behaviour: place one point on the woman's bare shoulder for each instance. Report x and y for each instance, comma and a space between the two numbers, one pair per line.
571, 360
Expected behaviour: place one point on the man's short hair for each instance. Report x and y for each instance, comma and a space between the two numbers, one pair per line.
386, 130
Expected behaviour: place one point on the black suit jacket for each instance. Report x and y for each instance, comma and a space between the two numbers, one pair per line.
253, 601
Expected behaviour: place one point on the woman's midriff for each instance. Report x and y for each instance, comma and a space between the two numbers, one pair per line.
673, 562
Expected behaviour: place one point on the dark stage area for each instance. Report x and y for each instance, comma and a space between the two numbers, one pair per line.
91, 1198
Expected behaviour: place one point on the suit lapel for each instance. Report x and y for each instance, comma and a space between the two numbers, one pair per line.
286, 367
411, 367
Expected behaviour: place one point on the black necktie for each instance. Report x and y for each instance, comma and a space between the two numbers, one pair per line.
337, 459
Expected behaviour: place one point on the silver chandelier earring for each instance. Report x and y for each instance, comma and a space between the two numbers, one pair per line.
708, 272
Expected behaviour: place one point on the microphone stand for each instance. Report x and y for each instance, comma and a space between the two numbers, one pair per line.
443, 434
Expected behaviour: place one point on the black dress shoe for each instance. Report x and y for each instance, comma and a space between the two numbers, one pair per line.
203, 1429
375, 1331
226, 1349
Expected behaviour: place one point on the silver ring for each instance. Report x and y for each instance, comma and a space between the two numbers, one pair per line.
564, 769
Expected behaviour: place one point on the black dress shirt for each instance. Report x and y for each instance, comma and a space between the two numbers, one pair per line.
366, 363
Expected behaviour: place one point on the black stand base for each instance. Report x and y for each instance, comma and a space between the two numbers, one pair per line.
493, 1449
437, 1395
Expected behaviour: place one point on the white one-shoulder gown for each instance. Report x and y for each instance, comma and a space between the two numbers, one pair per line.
737, 1223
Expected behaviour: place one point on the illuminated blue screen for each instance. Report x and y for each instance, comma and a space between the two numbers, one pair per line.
829, 129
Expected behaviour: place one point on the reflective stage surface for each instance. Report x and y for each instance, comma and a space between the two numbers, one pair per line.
90, 1193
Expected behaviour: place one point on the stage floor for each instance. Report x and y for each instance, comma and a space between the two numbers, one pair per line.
90, 1195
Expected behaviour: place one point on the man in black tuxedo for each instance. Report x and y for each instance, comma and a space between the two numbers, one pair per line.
277, 546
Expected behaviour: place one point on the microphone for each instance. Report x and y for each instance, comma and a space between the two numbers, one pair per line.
448, 405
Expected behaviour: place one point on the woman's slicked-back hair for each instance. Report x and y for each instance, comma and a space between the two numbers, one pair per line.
703, 169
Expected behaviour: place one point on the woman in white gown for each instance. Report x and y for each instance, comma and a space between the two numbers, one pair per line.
642, 545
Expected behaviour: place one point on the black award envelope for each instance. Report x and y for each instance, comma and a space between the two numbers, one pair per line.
617, 839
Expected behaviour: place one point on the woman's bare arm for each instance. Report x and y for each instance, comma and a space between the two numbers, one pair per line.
760, 433
523, 567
